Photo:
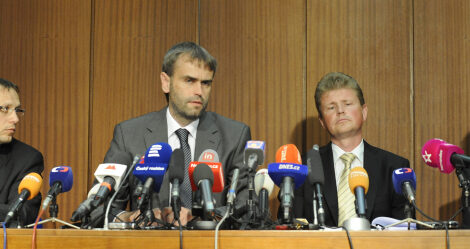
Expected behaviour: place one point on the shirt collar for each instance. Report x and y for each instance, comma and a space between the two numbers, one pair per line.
173, 125
358, 152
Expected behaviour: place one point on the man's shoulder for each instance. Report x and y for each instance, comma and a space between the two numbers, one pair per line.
143, 120
384, 153
18, 146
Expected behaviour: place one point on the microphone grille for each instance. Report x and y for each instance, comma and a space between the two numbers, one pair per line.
201, 172
176, 167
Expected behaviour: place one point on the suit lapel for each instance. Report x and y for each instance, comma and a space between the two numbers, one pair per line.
157, 129
207, 136
371, 163
330, 191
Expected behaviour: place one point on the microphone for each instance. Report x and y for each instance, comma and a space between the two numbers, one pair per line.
316, 178
210, 158
359, 184
28, 189
404, 183
204, 179
254, 154
108, 175
439, 154
287, 173
85, 207
151, 170
176, 174
232, 191
60, 180
263, 187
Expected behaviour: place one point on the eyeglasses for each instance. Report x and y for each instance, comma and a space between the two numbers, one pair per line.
7, 110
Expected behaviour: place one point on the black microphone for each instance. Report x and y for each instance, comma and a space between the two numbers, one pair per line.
105, 188
85, 207
204, 179
316, 178
176, 174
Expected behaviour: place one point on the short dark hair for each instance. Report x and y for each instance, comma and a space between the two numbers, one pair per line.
333, 81
194, 52
9, 85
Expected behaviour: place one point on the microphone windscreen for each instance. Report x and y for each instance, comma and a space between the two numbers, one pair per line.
31, 182
158, 153
201, 172
277, 172
62, 174
288, 154
315, 166
437, 153
176, 167
263, 181
209, 155
255, 147
358, 178
403, 175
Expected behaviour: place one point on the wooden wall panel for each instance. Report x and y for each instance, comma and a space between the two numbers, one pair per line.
259, 46
130, 40
370, 41
442, 90
260, 49
44, 48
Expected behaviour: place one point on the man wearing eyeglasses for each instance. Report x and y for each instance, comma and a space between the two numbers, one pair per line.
17, 159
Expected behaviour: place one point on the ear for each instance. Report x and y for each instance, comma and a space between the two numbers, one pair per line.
321, 122
165, 82
364, 112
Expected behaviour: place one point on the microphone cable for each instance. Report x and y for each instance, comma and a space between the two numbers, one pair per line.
33, 241
445, 224
110, 202
4, 236
349, 237
218, 226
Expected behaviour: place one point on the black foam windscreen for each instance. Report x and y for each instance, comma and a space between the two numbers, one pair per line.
176, 167
202, 172
315, 166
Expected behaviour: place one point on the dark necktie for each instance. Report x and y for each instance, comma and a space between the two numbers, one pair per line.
186, 192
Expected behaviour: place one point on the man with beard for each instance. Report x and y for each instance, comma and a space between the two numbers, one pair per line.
187, 74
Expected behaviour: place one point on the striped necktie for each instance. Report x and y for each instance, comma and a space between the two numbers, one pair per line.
186, 191
346, 206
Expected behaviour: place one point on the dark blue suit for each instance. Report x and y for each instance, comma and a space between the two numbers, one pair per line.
381, 197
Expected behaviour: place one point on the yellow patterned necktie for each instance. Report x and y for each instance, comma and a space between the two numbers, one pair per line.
346, 206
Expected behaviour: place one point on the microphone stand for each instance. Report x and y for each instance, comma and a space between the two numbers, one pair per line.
464, 184
408, 211
53, 211
315, 225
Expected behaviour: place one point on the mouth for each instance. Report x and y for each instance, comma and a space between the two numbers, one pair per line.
10, 130
343, 120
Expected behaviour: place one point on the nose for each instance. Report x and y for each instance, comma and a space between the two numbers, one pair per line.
197, 88
340, 109
14, 118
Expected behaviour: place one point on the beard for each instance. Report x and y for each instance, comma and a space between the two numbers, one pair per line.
186, 113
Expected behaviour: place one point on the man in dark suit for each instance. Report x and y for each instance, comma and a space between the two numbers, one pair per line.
187, 74
342, 111
17, 159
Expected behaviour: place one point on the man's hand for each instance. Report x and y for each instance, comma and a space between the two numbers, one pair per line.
169, 216
131, 216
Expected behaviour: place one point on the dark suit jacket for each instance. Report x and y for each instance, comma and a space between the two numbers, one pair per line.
381, 197
18, 159
226, 136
